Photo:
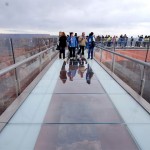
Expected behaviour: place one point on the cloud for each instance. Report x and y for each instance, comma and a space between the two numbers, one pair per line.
52, 16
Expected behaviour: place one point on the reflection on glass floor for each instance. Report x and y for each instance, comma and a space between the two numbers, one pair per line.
77, 105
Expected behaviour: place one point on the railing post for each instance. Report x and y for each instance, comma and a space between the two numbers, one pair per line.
49, 42
40, 60
144, 71
113, 56
18, 89
101, 54
143, 81
50, 53
39, 44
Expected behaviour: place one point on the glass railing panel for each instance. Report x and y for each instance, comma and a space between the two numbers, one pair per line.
136, 53
146, 91
43, 44
107, 58
27, 72
8, 90
123, 44
24, 48
148, 56
45, 58
51, 41
128, 71
6, 56
97, 54
55, 41
46, 42
54, 52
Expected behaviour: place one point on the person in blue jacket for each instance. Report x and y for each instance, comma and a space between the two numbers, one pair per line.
91, 44
72, 41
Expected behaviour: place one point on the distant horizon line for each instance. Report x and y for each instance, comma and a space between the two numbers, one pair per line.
66, 34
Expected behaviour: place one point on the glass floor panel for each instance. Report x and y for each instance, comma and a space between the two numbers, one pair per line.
67, 137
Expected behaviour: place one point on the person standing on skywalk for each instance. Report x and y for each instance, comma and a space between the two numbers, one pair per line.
82, 43
72, 41
91, 44
62, 44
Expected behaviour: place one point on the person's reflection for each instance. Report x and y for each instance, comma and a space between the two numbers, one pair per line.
89, 74
63, 73
82, 61
82, 68
73, 66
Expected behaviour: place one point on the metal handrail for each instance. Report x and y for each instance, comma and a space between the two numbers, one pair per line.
146, 64
14, 66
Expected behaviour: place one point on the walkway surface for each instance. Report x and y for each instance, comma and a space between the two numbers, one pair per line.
77, 106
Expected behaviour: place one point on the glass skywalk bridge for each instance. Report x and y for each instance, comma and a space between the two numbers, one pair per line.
75, 104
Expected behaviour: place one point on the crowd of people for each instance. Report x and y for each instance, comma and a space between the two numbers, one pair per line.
76, 44
123, 41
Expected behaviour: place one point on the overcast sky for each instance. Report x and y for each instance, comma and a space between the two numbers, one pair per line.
51, 16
